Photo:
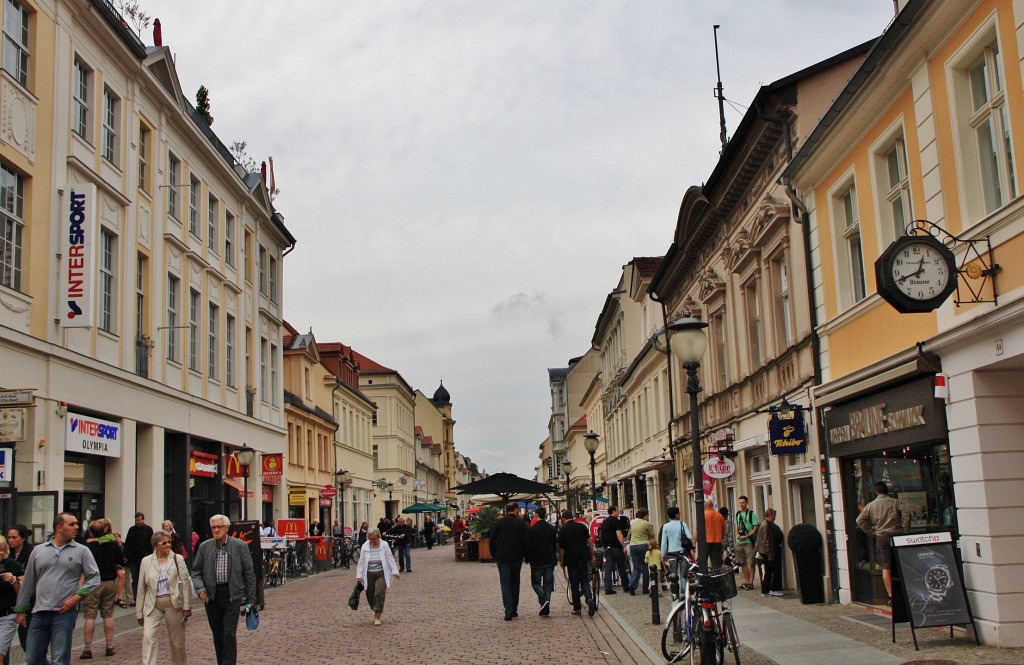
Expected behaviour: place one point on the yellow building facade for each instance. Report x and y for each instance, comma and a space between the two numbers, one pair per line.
931, 127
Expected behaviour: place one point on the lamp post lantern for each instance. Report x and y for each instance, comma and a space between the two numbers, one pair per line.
688, 343
590, 442
244, 456
342, 480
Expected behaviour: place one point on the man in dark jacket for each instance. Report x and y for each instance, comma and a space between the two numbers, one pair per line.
543, 555
575, 552
509, 537
137, 546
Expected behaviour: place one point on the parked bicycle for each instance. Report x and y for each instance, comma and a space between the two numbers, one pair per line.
700, 624
344, 551
273, 567
593, 577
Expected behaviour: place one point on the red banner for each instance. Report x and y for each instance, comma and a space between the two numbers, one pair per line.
321, 549
203, 465
708, 482
232, 467
272, 468
291, 529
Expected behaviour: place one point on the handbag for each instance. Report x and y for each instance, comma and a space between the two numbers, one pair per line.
353, 599
252, 617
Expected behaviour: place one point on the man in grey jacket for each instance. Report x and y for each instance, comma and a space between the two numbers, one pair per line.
223, 576
52, 575
884, 518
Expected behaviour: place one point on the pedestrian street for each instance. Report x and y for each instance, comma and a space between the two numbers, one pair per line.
443, 612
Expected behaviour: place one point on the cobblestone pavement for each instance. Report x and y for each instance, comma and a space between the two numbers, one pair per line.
444, 612
449, 612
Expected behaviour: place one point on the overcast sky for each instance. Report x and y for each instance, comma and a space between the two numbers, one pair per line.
467, 179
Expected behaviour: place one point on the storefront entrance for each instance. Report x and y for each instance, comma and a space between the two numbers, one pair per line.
919, 476
83, 487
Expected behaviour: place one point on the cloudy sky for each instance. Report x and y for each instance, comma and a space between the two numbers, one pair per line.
466, 179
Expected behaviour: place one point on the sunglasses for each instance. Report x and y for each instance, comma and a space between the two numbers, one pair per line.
164, 542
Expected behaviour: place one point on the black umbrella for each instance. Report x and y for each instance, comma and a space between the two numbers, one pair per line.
505, 485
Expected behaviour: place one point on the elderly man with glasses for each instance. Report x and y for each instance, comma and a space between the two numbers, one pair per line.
223, 575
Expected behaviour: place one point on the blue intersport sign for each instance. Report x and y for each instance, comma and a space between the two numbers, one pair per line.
787, 434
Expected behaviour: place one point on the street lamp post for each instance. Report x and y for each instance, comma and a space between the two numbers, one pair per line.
244, 456
590, 442
342, 480
688, 342
567, 470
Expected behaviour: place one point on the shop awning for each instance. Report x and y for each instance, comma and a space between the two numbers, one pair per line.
231, 482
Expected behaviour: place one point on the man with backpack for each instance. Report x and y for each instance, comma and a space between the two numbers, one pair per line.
746, 534
612, 535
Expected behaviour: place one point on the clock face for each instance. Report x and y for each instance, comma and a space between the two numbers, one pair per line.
920, 271
936, 579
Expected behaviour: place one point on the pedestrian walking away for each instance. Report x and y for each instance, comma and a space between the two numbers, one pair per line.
746, 534
640, 534
576, 555
884, 518
137, 547
768, 550
612, 535
542, 554
508, 545
376, 571
223, 576
165, 599
110, 590
714, 527
54, 576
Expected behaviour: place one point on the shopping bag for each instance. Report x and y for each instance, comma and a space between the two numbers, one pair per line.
252, 617
353, 599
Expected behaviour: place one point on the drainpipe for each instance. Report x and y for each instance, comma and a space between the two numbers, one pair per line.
802, 217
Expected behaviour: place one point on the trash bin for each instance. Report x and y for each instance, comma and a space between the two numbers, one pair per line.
472, 550
806, 544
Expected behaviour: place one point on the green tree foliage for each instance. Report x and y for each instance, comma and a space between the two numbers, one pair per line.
203, 104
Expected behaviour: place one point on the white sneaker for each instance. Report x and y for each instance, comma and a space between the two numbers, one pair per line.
777, 594
376, 622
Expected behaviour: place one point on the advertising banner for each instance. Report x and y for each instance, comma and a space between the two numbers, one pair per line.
12, 425
6, 459
932, 586
787, 433
232, 467
93, 436
249, 533
203, 465
272, 468
292, 529
79, 240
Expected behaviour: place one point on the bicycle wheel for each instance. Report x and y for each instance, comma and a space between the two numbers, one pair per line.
674, 646
732, 640
568, 587
595, 584
355, 555
707, 647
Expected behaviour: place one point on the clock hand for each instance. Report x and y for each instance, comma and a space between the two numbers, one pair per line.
920, 269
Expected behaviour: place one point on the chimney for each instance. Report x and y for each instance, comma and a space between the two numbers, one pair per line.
263, 173
158, 37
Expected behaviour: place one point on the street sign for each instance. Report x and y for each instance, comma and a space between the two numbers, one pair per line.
328, 492
719, 468
15, 397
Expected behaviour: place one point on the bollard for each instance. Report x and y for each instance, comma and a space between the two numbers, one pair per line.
655, 610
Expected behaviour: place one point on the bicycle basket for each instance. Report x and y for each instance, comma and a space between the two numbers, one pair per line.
720, 587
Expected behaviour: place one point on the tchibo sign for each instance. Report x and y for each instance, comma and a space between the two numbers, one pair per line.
79, 237
92, 436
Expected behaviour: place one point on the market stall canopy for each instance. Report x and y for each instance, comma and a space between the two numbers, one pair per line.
505, 485
424, 508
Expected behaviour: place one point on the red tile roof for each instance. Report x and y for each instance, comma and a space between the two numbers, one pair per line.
368, 366
580, 424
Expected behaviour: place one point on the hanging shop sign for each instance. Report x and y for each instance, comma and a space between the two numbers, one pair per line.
203, 465
93, 436
719, 468
787, 433
273, 468
12, 425
232, 467
6, 459
291, 529
296, 496
267, 495
328, 492
79, 237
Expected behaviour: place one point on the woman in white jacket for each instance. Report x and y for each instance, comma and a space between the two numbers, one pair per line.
375, 571
164, 598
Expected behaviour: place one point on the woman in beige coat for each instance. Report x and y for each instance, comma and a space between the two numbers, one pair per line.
164, 598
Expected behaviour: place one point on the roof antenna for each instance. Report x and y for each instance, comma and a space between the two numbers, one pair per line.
719, 94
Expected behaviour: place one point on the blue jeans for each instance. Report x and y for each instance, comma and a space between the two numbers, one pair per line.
614, 557
508, 574
50, 630
405, 557
543, 580
578, 582
636, 555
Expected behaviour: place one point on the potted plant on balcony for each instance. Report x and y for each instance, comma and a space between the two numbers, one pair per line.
481, 530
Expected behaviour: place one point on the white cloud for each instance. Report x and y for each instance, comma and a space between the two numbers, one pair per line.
465, 179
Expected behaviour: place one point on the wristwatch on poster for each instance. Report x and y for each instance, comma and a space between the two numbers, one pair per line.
938, 581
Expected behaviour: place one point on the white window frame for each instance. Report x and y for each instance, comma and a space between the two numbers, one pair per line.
753, 321
273, 374
194, 189
173, 185
229, 238
108, 281
263, 370
16, 41
111, 122
782, 301
12, 227
173, 294
272, 279
144, 135
229, 351
193, 330
81, 116
263, 269
851, 278
212, 217
213, 349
